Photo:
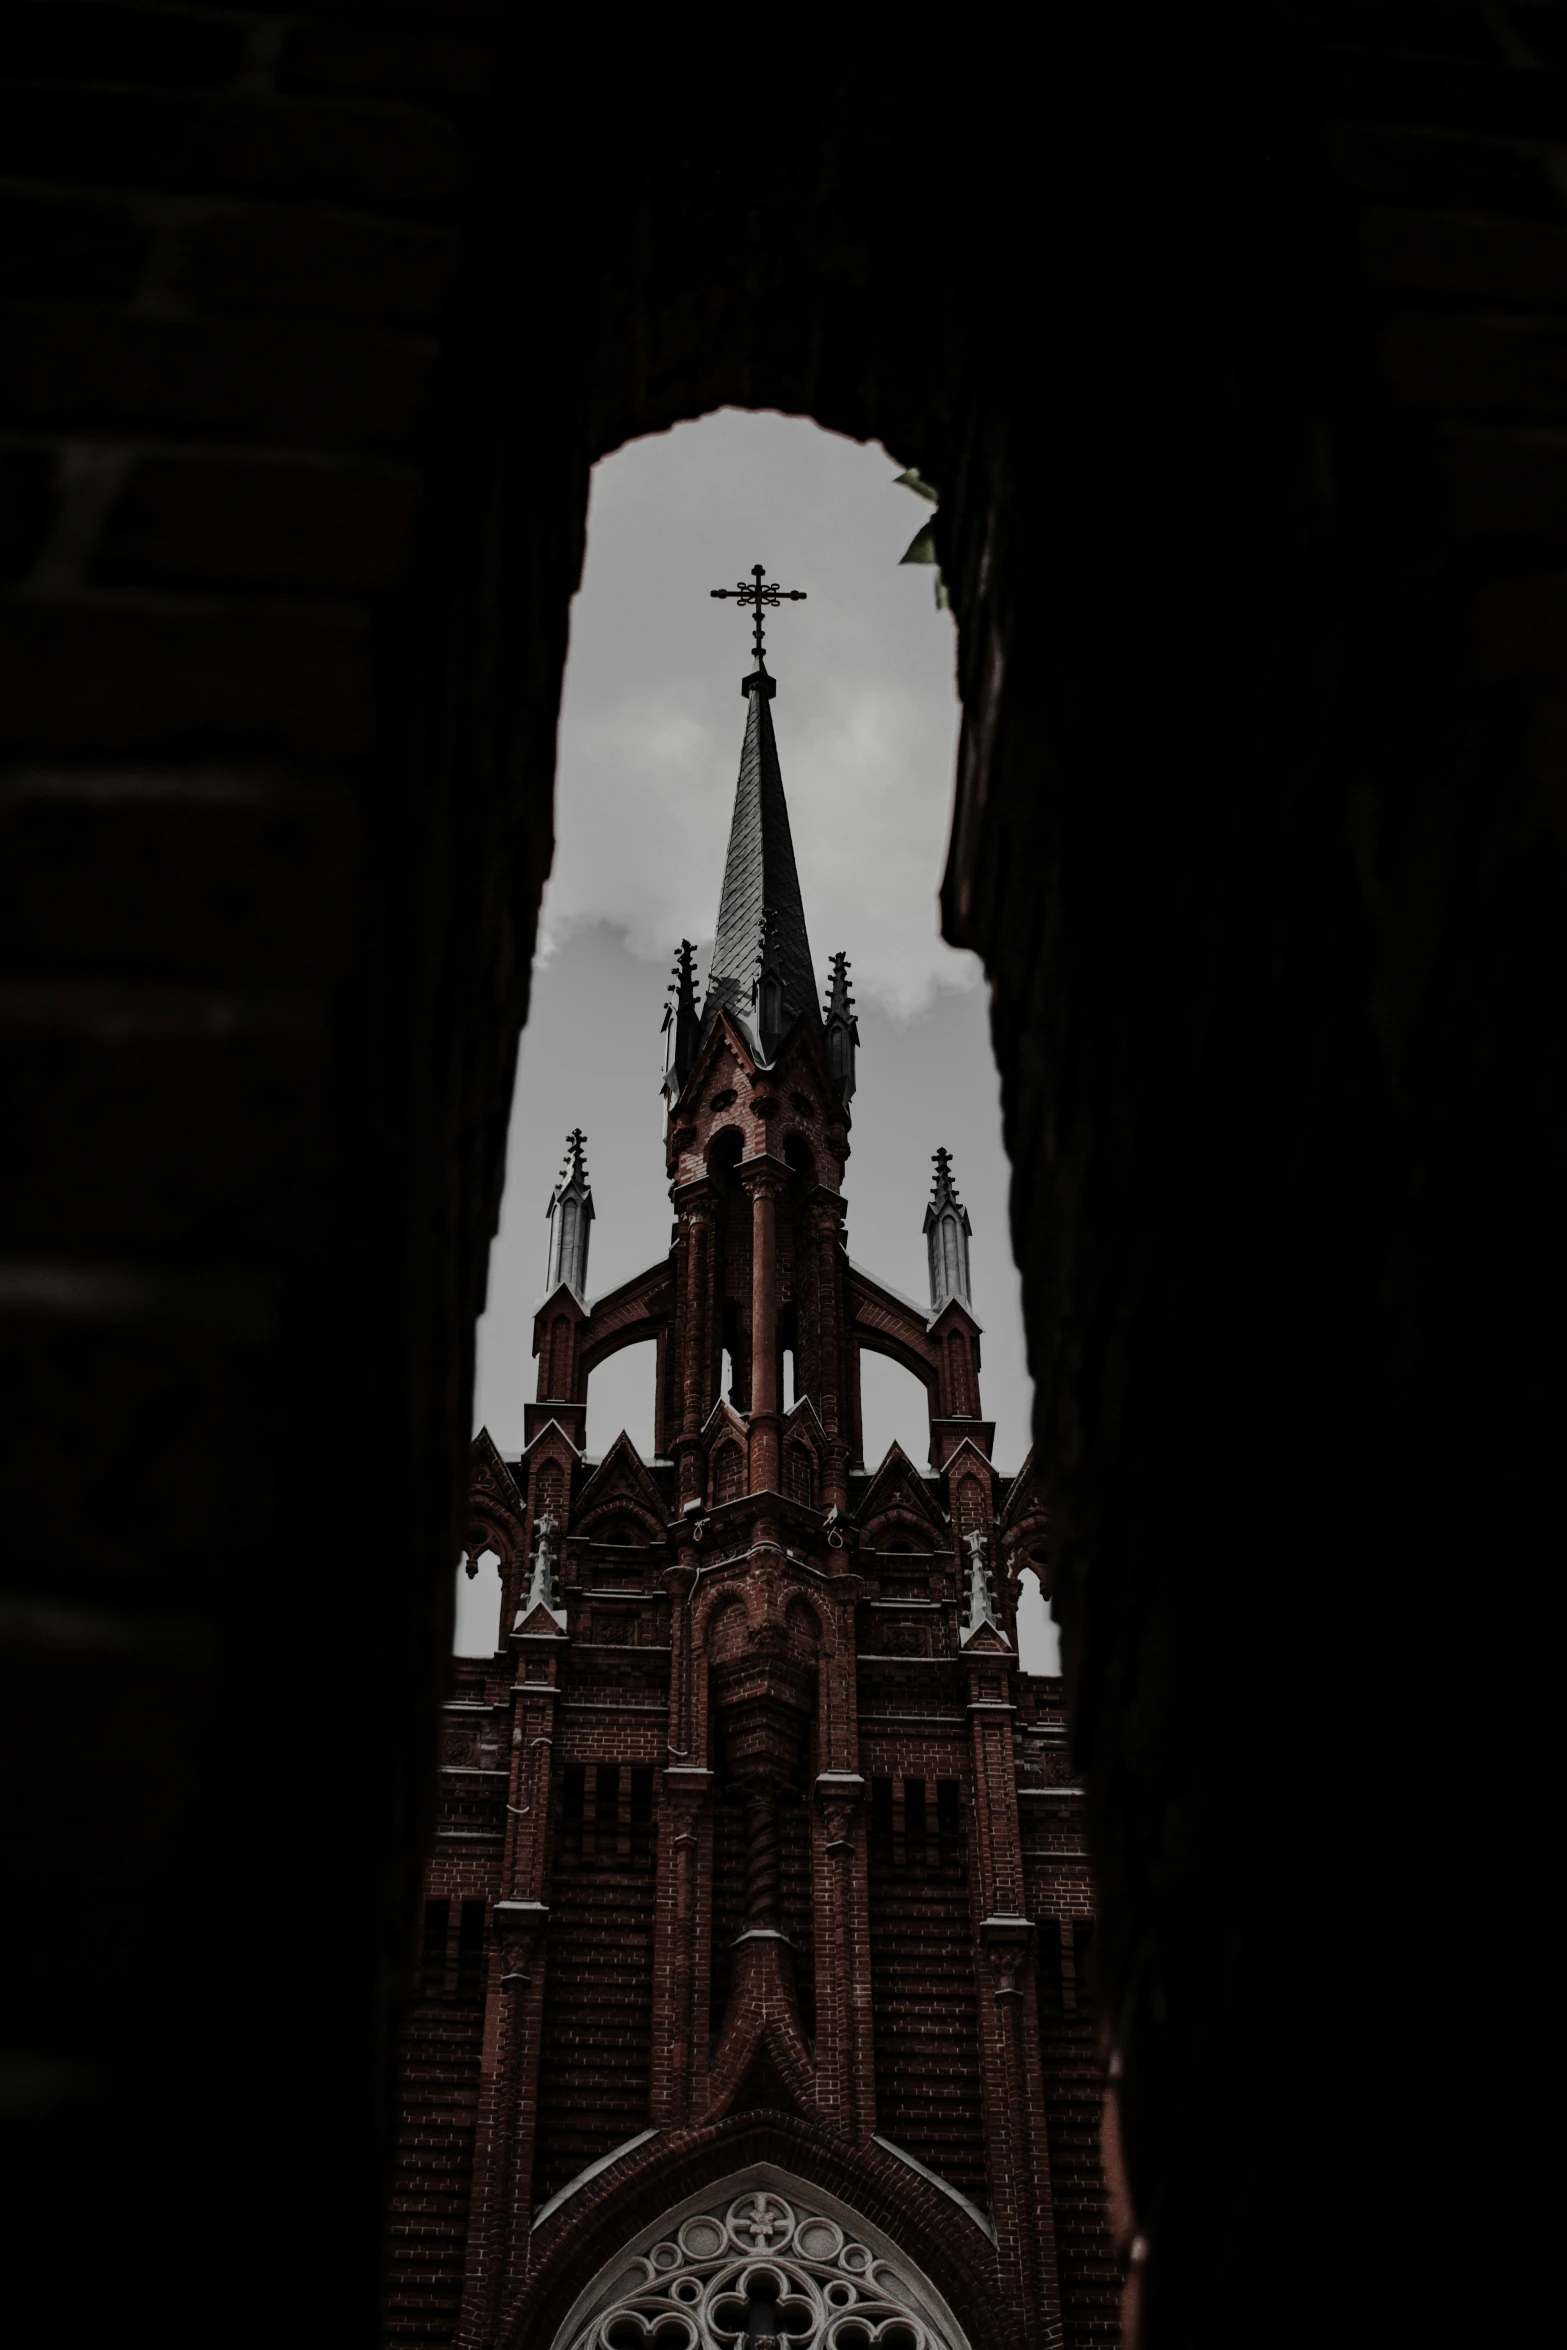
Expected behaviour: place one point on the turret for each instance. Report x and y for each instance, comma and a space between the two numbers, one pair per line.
843, 1030
947, 1235
570, 1215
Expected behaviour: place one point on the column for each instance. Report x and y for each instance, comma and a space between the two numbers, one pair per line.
826, 1222
500, 2199
697, 1213
845, 2058
678, 2087
1016, 2145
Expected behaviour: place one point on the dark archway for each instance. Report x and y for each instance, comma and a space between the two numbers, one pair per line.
1249, 514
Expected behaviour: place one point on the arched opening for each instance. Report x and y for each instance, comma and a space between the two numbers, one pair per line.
762, 2255
724, 1153
649, 734
622, 1394
1038, 1639
894, 1405
1356, 311
476, 1626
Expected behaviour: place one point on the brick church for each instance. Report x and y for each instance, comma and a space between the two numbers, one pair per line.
753, 1999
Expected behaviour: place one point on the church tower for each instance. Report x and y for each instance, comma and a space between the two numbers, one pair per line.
754, 2001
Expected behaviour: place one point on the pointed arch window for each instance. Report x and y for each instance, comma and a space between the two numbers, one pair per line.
763, 2265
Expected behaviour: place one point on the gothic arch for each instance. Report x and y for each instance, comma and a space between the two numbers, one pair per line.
801, 1161
899, 1530
725, 1150
802, 1623
596, 1351
723, 1629
834, 2277
897, 1350
620, 1509
795, 1594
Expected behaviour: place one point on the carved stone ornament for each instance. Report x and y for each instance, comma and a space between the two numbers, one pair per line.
755, 2266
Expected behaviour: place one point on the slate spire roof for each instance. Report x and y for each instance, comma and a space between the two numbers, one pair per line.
761, 919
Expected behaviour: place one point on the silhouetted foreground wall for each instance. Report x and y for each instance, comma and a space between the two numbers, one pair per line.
1234, 346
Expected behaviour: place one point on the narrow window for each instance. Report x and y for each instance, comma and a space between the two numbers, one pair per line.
572, 1790
881, 1821
606, 1807
432, 1957
949, 1828
470, 1951
1047, 1941
914, 1816
642, 1816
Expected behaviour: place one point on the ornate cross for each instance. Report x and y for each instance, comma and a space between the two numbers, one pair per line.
763, 591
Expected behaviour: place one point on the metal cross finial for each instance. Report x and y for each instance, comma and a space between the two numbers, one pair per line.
762, 592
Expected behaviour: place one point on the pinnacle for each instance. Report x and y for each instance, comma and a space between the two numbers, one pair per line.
574, 1166
944, 1185
681, 1024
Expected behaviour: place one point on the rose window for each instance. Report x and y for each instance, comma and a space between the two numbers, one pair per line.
760, 2269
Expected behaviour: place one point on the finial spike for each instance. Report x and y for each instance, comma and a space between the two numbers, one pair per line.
570, 1214
947, 1235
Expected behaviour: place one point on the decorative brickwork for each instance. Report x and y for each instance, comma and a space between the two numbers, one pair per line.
762, 1846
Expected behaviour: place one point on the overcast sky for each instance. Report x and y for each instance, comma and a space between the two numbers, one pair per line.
651, 725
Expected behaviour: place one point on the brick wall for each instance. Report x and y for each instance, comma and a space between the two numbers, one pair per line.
928, 2092
438, 2079
598, 2002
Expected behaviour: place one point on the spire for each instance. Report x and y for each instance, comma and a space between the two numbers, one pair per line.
761, 969
843, 1030
570, 1214
681, 1023
947, 1235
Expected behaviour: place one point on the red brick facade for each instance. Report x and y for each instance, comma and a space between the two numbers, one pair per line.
759, 1865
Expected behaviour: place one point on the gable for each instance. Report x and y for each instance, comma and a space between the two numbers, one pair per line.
898, 1491
620, 1484
495, 1507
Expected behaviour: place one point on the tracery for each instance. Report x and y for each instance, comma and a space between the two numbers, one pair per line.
757, 2267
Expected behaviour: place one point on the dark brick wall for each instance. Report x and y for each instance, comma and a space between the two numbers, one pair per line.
1262, 847
927, 2010
1231, 337
598, 2001
433, 2147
